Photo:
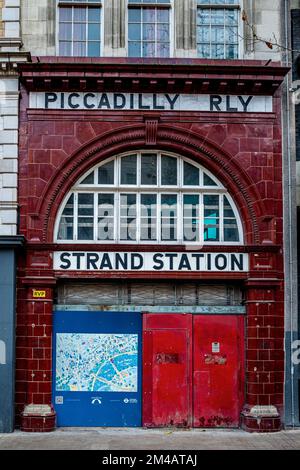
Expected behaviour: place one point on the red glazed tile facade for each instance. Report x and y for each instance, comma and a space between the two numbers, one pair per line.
242, 150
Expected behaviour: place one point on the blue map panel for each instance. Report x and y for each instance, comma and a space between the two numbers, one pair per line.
97, 368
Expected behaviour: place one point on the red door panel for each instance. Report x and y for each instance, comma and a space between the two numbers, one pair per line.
166, 373
217, 376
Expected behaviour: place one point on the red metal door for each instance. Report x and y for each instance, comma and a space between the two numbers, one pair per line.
218, 370
167, 394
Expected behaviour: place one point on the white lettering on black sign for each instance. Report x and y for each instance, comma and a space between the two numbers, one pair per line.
150, 101
123, 261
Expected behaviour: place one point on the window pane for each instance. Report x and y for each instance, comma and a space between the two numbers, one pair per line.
148, 15
217, 17
207, 181
85, 228
231, 233
79, 31
203, 16
148, 216
231, 51
94, 15
211, 218
93, 49
148, 32
79, 49
191, 218
163, 15
65, 14
86, 204
203, 50
89, 179
129, 169
65, 230
106, 173
148, 49
203, 34
217, 34
231, 17
163, 32
134, 15
217, 51
134, 32
94, 32
79, 15
69, 207
169, 217
65, 31
163, 50
85, 216
149, 169
191, 175
168, 170
65, 48
128, 216
134, 49
105, 216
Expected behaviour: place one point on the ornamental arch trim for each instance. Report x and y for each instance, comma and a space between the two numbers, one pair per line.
187, 144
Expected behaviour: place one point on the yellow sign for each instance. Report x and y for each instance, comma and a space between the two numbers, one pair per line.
38, 294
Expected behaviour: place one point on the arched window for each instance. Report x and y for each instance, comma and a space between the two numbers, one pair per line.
149, 197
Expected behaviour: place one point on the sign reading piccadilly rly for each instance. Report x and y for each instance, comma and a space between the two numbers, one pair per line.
154, 261
151, 101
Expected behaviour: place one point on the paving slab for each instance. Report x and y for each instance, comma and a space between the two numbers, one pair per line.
149, 439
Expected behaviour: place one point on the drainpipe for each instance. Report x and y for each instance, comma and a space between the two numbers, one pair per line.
289, 225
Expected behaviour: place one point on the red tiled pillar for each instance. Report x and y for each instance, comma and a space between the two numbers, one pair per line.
34, 356
264, 357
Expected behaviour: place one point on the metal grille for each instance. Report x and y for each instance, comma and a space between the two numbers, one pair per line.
148, 293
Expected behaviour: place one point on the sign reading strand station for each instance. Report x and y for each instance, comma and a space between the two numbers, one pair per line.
123, 261
151, 101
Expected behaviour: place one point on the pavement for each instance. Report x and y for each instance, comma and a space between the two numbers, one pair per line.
149, 439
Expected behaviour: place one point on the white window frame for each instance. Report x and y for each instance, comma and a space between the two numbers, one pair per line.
70, 4
240, 7
170, 7
180, 190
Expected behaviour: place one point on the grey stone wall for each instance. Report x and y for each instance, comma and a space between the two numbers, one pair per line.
39, 31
